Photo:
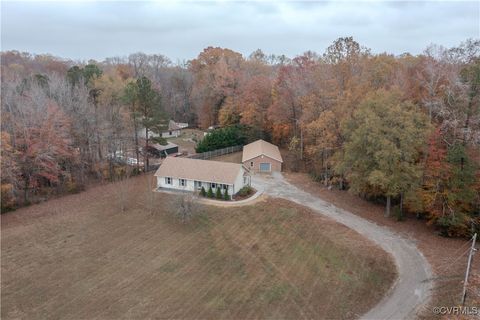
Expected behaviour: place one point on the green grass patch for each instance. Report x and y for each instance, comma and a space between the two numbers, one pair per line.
275, 293
169, 267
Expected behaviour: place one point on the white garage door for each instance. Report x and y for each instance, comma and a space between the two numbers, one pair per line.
265, 167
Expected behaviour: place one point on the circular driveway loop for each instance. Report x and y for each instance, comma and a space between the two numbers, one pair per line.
412, 287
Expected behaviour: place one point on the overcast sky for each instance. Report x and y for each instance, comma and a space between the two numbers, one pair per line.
180, 30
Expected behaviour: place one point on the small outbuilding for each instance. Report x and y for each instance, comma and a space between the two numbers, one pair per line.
262, 156
192, 174
163, 150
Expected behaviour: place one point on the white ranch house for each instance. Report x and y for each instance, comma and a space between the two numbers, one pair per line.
192, 174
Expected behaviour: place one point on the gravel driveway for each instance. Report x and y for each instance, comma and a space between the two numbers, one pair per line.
412, 288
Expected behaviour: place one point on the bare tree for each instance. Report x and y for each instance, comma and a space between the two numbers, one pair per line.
432, 79
122, 188
150, 193
185, 207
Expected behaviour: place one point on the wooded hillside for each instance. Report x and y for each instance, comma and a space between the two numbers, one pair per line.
403, 130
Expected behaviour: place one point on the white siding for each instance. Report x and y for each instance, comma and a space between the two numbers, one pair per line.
191, 185
232, 189
175, 184
169, 134
238, 182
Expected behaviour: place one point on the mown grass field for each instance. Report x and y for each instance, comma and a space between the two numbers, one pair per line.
82, 257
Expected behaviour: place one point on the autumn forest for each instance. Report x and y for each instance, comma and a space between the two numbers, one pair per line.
400, 130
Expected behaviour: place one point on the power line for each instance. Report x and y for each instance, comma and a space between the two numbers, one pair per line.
452, 262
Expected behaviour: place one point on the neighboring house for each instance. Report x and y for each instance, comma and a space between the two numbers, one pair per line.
174, 129
261, 156
193, 174
163, 150
182, 125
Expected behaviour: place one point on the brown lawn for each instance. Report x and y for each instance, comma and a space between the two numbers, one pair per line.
82, 257
447, 256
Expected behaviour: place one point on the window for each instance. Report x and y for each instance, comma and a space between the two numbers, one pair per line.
198, 184
168, 180
251, 163
225, 186
265, 167
183, 182
213, 185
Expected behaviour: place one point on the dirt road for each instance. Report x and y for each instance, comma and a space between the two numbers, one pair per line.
412, 288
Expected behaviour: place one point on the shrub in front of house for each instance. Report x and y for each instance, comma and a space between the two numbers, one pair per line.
218, 194
203, 193
210, 193
245, 191
226, 196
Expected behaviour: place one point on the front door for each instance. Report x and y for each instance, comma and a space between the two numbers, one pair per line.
198, 185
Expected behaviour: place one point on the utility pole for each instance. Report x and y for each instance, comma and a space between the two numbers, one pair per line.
470, 255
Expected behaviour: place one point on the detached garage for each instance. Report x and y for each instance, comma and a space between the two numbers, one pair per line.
261, 156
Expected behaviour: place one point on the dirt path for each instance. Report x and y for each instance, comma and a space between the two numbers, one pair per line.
412, 288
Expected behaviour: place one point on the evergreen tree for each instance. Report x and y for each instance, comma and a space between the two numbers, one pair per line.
91, 72
458, 209
222, 138
218, 194
150, 108
226, 196
210, 193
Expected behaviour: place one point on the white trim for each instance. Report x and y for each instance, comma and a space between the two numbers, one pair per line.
263, 155
190, 179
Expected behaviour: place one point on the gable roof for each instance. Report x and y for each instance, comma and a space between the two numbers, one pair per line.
201, 170
172, 125
261, 147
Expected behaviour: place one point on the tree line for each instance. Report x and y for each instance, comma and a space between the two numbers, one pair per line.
403, 130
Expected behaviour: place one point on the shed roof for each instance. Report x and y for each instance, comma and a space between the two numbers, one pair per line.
261, 147
201, 170
172, 125
160, 147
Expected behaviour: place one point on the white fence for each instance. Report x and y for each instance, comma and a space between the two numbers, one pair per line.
216, 153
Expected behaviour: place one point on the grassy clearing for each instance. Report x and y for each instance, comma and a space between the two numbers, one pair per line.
187, 141
80, 257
